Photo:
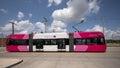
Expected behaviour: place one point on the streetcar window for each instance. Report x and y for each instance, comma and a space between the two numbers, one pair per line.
53, 42
56, 41
61, 41
91, 41
47, 42
80, 41
17, 42
100, 41
38, 41
66, 41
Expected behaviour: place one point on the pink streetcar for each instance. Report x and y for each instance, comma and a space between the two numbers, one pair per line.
73, 42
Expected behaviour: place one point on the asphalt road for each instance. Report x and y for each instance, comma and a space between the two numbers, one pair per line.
109, 59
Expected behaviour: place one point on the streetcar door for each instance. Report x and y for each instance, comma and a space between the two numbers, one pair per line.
39, 45
61, 45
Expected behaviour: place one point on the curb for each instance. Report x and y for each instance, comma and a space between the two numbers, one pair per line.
14, 64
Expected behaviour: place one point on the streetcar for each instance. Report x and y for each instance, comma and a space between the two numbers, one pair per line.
63, 42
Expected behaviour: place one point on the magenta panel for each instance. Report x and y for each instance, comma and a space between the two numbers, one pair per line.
87, 34
17, 48
18, 36
12, 48
80, 48
23, 48
84, 48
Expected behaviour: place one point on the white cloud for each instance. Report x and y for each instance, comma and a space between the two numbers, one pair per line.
7, 27
3, 10
50, 3
57, 2
30, 14
109, 34
40, 26
57, 26
23, 32
75, 10
96, 28
118, 30
94, 6
20, 15
57, 29
24, 26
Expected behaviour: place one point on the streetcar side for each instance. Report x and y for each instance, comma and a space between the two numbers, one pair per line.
73, 42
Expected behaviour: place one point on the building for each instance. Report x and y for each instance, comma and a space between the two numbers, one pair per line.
2, 42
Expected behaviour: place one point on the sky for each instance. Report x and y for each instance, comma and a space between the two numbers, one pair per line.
28, 15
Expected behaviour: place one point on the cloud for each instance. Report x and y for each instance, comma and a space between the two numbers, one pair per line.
40, 26
57, 26
7, 27
20, 15
94, 6
57, 2
30, 14
73, 12
109, 34
96, 28
23, 26
75, 9
3, 10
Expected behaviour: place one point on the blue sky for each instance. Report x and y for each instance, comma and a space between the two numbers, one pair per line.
61, 15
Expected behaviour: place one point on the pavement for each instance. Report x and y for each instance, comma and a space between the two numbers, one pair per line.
9, 62
109, 59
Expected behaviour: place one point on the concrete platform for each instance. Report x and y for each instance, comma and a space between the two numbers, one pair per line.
9, 62
108, 59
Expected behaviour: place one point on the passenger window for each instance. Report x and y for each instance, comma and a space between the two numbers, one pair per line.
80, 41
47, 42
91, 41
17, 42
53, 42
100, 41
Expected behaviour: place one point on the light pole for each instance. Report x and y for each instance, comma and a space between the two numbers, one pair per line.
2, 39
44, 21
103, 19
12, 27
